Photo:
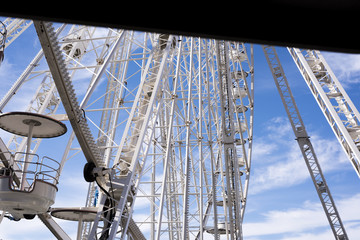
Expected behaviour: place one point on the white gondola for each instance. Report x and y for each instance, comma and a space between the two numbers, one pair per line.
28, 182
239, 75
221, 229
238, 55
240, 128
239, 92
241, 161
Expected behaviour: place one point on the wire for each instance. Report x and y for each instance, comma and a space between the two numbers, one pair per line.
109, 204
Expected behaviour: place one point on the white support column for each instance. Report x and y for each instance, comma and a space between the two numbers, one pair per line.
15, 27
304, 142
337, 107
168, 150
185, 220
136, 140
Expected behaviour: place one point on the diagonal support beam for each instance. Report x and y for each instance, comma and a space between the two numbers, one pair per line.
304, 142
337, 107
66, 91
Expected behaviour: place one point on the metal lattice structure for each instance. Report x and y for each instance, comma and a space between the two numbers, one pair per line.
305, 144
167, 121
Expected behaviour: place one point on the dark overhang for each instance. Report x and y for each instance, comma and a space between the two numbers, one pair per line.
318, 24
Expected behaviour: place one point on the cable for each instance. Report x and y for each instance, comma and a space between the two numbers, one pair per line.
109, 204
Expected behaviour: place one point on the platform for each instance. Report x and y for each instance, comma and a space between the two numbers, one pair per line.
85, 214
36, 193
43, 126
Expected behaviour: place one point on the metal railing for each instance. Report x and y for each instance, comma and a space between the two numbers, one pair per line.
45, 169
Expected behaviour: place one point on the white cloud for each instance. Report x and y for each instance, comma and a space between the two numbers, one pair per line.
289, 221
345, 66
24, 229
7, 76
33, 229
68, 186
279, 127
7, 71
280, 174
306, 222
318, 236
263, 149
278, 161
349, 208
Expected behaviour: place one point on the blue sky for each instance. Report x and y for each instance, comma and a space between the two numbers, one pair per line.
282, 202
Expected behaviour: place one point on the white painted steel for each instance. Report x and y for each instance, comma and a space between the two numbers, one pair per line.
167, 119
304, 142
337, 107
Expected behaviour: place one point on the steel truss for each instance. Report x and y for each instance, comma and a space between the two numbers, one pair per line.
337, 107
14, 28
165, 123
305, 145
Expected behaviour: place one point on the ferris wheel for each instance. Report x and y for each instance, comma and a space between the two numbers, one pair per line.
165, 123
